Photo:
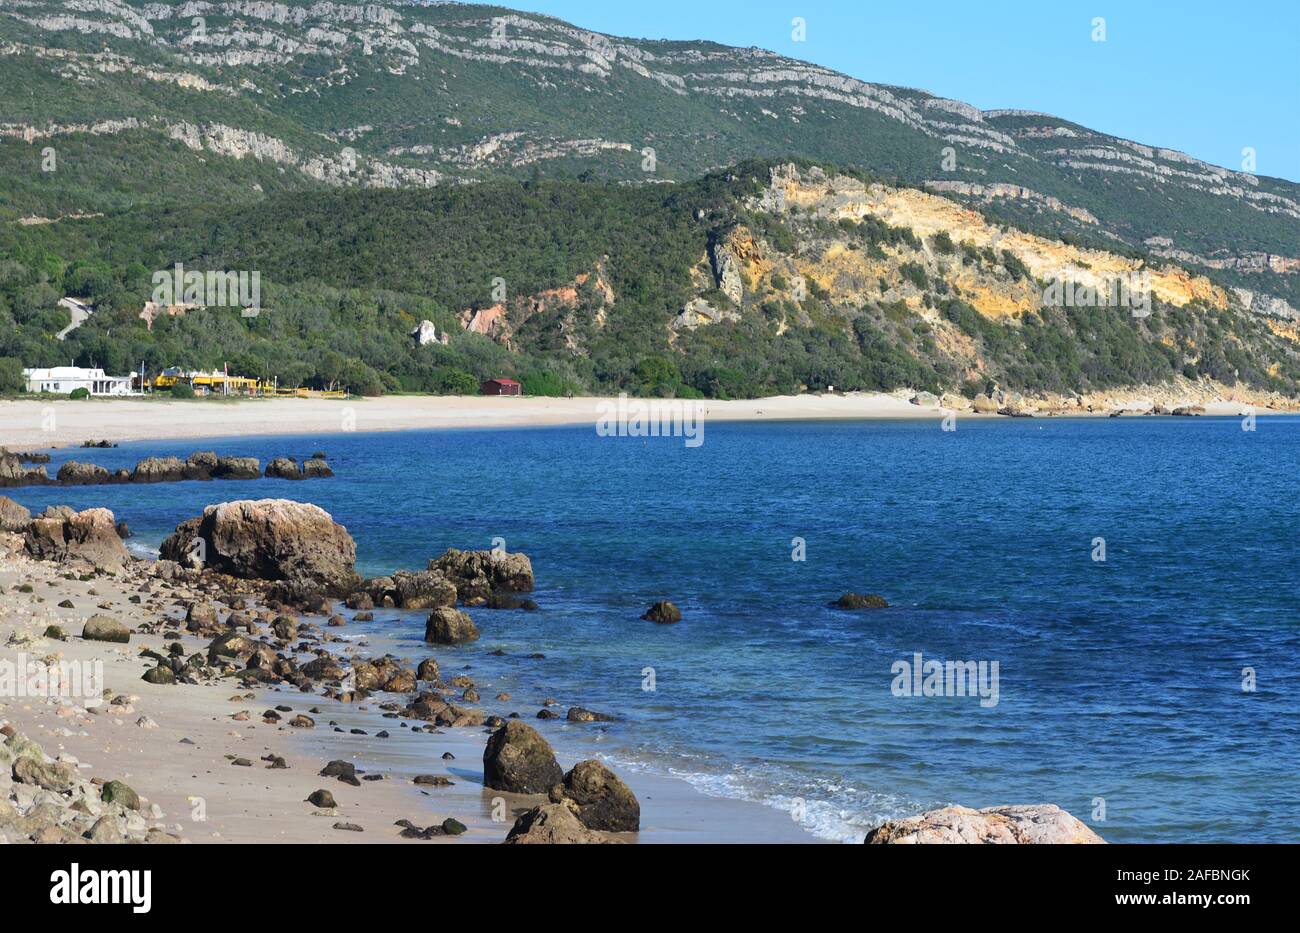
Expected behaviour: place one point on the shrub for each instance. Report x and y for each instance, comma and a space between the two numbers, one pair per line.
11, 375
79, 394
182, 390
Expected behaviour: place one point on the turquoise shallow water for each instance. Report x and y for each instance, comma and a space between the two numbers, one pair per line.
1119, 680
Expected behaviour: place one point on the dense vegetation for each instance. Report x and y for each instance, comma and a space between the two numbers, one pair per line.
346, 276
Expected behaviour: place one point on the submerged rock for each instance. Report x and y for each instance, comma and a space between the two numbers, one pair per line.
663, 612
1017, 825
860, 601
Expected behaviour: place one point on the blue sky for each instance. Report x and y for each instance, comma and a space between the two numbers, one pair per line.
1205, 78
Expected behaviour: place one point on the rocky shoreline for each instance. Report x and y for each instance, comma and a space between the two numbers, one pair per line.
229, 615
202, 465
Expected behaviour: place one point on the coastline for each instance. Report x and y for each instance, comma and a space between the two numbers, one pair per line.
175, 744
38, 424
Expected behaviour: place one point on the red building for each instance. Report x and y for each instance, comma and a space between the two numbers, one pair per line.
501, 387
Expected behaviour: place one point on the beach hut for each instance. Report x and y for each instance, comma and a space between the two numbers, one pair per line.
501, 387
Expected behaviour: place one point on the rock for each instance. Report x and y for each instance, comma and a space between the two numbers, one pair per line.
105, 832
55, 632
302, 722
200, 616
345, 771
422, 589
349, 827
284, 468
123, 530
477, 574
86, 538
860, 601
159, 675
237, 468
359, 600
551, 824
432, 780
284, 628
603, 801
105, 628
13, 517
158, 470
231, 645
322, 799
13, 473
119, 793
52, 775
453, 827
428, 671
268, 539
73, 473
984, 405
663, 612
199, 465
1023, 825
448, 626
316, 468
578, 714
517, 759
506, 601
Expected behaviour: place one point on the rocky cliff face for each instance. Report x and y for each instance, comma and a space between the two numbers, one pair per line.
387, 94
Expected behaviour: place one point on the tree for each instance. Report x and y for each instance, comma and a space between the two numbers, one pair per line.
11, 375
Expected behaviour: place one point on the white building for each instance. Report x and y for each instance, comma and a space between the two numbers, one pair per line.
64, 379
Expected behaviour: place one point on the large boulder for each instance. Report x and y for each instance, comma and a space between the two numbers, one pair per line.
158, 470
447, 626
284, 468
268, 539
200, 465
73, 473
419, 589
663, 612
1023, 825
518, 760
13, 517
551, 824
237, 468
602, 800
316, 468
13, 473
86, 538
477, 574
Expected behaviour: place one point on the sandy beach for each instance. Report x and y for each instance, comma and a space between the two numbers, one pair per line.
33, 424
176, 745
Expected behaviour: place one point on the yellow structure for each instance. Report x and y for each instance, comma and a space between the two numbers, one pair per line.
215, 383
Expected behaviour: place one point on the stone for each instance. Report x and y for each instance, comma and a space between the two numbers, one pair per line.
284, 468
88, 538
453, 827
49, 775
663, 612
158, 470
860, 601
447, 626
1018, 825
518, 760
159, 675
603, 801
579, 714
105, 628
268, 539
551, 824
477, 574
119, 793
13, 517
322, 799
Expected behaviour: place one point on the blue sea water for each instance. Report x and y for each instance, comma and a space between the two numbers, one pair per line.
1120, 681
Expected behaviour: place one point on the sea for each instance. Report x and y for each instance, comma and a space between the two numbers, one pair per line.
1114, 604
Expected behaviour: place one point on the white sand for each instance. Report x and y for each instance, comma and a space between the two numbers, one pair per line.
29, 425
